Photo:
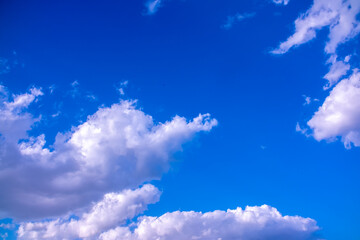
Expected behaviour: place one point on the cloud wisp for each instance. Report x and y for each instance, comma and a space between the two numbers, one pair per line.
231, 20
152, 6
281, 2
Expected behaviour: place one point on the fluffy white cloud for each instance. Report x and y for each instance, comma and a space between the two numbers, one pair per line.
284, 2
114, 209
14, 120
107, 221
262, 222
340, 113
339, 15
118, 147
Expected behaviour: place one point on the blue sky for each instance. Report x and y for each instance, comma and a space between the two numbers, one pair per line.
86, 77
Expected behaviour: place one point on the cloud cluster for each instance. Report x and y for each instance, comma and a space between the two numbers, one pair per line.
106, 220
339, 114
118, 147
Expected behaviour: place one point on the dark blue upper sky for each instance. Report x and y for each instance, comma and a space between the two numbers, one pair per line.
181, 61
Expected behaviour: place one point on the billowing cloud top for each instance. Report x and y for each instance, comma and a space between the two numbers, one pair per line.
340, 113
106, 219
116, 148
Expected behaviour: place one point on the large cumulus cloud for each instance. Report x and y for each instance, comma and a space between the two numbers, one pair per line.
118, 147
105, 221
86, 185
339, 115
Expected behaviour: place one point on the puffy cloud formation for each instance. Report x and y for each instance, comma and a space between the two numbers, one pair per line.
339, 15
112, 210
262, 222
107, 221
14, 122
118, 147
340, 113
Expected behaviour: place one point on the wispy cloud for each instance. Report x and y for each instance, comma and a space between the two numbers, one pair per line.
325, 13
281, 2
231, 20
121, 87
152, 6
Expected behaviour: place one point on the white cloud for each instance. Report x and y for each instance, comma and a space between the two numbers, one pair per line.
337, 70
340, 113
116, 148
114, 209
339, 15
109, 220
14, 120
262, 222
284, 2
302, 130
122, 86
75, 91
338, 116
152, 6
231, 20
307, 100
